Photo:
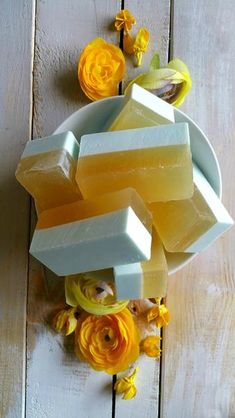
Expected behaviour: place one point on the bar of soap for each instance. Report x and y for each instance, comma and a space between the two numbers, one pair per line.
147, 279
155, 161
47, 170
77, 244
141, 109
193, 224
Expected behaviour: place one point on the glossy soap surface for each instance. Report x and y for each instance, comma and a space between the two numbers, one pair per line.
180, 224
100, 205
49, 177
156, 161
142, 109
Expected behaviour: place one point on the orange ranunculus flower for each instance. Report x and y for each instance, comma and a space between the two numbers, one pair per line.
100, 69
109, 342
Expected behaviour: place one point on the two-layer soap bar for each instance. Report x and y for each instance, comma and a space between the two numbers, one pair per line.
156, 161
193, 224
93, 235
141, 109
147, 279
47, 170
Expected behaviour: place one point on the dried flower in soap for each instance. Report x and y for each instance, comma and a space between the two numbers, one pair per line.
126, 386
124, 20
109, 342
150, 346
141, 44
100, 69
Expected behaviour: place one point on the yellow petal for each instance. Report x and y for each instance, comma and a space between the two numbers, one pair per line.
59, 320
128, 43
81, 290
70, 325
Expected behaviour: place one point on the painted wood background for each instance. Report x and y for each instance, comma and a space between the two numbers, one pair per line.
40, 43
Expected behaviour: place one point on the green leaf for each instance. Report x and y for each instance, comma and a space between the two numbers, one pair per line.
155, 62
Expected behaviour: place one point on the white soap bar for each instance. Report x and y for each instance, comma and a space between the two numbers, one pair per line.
65, 141
140, 109
96, 243
134, 139
147, 279
222, 219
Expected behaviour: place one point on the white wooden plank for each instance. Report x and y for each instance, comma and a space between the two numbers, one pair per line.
199, 361
16, 34
57, 384
155, 16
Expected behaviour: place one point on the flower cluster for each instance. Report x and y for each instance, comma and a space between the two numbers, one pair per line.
108, 334
102, 66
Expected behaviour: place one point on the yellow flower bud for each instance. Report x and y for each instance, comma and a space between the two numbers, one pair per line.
126, 386
124, 20
141, 44
159, 313
66, 318
150, 346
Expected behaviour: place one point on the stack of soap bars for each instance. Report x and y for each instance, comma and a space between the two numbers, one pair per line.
116, 200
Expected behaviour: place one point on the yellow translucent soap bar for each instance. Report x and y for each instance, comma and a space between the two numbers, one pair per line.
141, 109
190, 225
96, 206
155, 161
147, 279
47, 170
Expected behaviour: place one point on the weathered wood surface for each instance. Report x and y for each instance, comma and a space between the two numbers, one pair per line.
199, 357
16, 23
57, 384
155, 16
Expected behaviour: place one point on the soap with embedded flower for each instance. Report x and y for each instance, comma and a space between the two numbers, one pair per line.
155, 161
47, 170
191, 225
141, 109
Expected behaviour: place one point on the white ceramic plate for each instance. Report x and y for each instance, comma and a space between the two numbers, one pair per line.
93, 117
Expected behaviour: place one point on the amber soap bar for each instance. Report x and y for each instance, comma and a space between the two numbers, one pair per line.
85, 236
47, 170
191, 225
141, 109
147, 279
155, 161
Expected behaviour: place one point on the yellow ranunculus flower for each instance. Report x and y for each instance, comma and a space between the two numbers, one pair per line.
100, 69
94, 296
124, 20
141, 44
150, 346
172, 83
126, 386
108, 343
